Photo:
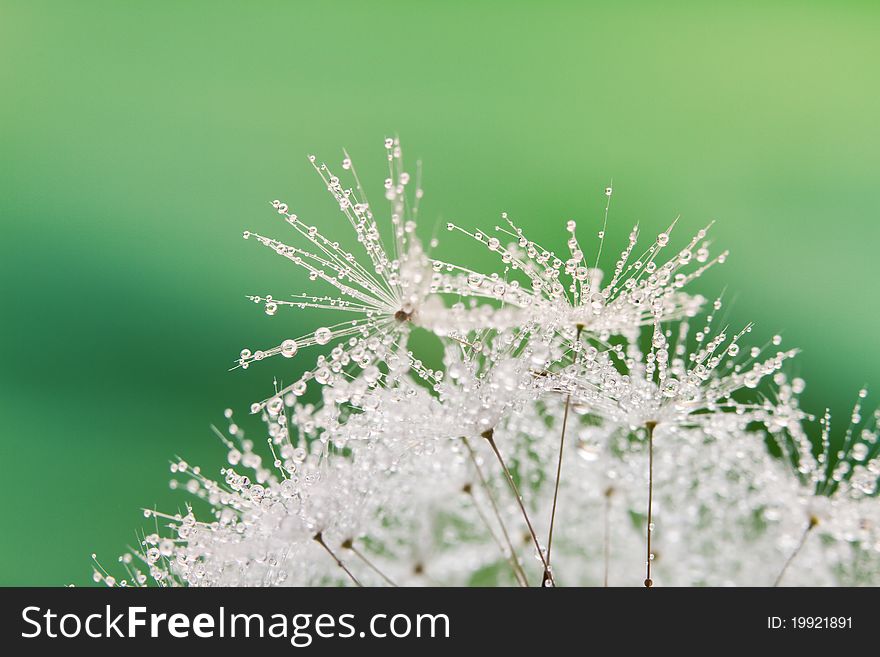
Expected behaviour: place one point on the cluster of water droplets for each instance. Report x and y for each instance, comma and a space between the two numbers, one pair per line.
397, 471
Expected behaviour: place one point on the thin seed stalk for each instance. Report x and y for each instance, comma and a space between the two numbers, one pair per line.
349, 545
556, 486
606, 543
650, 528
511, 558
813, 522
514, 560
548, 575
580, 328
319, 539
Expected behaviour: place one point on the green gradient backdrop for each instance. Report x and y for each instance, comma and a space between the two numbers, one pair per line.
137, 140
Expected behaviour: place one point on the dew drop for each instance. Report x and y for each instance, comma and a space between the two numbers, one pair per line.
323, 335
289, 348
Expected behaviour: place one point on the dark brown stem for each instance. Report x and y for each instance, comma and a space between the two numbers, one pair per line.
558, 476
514, 560
319, 539
548, 575
650, 427
813, 522
349, 545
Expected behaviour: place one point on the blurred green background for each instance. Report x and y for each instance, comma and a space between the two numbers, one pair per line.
138, 139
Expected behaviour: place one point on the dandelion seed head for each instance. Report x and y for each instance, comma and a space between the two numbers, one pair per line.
390, 474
